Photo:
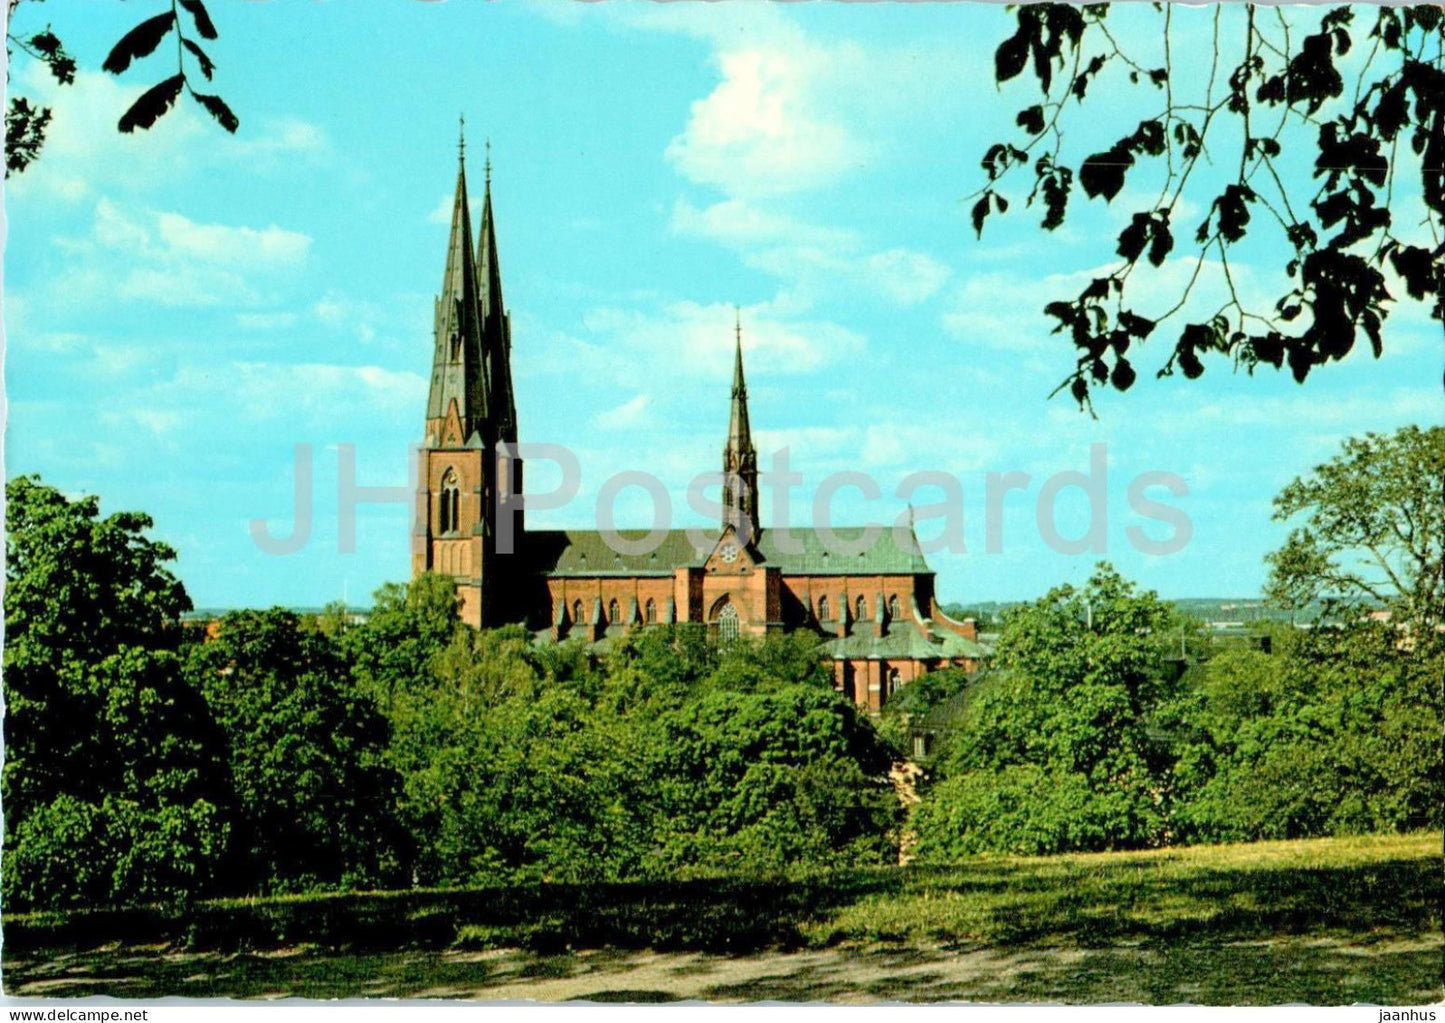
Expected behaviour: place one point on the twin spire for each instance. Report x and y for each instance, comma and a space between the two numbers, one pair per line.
471, 365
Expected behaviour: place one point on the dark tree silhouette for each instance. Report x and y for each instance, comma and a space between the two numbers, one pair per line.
1275, 140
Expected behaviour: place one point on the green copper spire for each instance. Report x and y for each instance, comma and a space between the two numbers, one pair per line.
496, 325
458, 372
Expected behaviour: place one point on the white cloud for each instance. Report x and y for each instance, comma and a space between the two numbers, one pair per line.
629, 414
171, 260
696, 339
304, 395
738, 223
812, 257
268, 248
84, 155
907, 277
765, 129
442, 212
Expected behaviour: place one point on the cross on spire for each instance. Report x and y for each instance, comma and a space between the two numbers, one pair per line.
462, 137
489, 162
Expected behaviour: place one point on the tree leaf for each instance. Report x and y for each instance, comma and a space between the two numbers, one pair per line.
1010, 57
207, 66
154, 102
1103, 173
219, 111
1031, 119
1141, 327
203, 20
1134, 237
980, 211
139, 42
1123, 375
1162, 242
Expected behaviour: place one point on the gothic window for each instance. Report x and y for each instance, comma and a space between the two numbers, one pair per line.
577, 612
727, 624
893, 610
894, 681
823, 612
614, 613
448, 519
651, 611
861, 609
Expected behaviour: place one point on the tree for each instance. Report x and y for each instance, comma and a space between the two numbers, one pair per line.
78, 589
1337, 731
115, 788
409, 625
26, 124
763, 766
1057, 748
315, 801
1374, 527
1273, 140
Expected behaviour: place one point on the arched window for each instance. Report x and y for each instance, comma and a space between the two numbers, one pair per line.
894, 681
651, 611
861, 609
450, 503
727, 624
614, 613
893, 609
824, 613
577, 612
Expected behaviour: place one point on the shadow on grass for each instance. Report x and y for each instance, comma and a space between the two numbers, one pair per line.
724, 916
1135, 907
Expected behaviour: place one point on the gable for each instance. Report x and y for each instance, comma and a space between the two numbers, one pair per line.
730, 556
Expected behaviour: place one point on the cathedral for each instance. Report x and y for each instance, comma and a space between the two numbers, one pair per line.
874, 612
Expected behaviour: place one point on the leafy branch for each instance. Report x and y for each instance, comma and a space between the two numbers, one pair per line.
143, 40
26, 123
1342, 238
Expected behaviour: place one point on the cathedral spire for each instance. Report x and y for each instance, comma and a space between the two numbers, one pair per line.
457, 367
496, 328
740, 458
740, 435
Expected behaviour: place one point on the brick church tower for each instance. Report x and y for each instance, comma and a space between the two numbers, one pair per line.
465, 479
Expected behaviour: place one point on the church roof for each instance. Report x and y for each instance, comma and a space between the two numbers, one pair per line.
904, 642
586, 552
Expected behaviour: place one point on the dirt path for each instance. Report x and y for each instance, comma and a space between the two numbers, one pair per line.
1318, 970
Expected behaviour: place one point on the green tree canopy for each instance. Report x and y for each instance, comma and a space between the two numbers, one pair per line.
1373, 527
1336, 731
316, 803
1057, 748
115, 787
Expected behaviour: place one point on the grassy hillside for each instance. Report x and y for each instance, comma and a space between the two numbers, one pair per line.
1325, 921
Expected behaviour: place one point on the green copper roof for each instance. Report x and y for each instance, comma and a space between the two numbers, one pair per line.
904, 641
797, 551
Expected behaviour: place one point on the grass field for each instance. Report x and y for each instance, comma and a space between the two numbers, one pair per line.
1330, 921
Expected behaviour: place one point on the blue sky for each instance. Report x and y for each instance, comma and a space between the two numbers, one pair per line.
183, 307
